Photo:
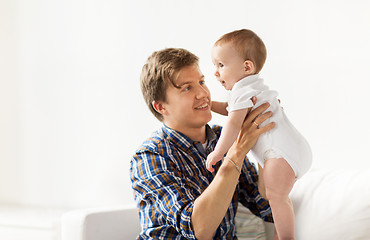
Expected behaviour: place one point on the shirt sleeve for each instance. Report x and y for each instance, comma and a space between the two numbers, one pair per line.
162, 194
240, 98
249, 195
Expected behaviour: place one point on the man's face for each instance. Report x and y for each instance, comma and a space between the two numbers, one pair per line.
188, 106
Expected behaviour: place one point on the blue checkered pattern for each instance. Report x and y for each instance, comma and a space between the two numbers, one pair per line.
168, 172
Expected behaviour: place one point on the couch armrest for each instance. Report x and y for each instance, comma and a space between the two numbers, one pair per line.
101, 223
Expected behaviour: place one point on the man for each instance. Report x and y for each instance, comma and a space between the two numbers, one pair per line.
177, 197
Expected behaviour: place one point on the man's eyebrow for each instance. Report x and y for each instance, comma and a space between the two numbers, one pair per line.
188, 82
184, 83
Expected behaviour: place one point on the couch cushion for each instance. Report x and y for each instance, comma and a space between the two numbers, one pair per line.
332, 205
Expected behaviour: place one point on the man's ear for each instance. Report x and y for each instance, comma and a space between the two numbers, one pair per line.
249, 67
159, 107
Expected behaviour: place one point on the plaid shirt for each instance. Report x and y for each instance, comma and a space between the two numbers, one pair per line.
169, 172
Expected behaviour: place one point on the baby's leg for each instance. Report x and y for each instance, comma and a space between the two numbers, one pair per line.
261, 182
279, 180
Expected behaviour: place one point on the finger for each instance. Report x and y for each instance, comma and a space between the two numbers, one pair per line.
248, 111
254, 100
252, 115
263, 117
267, 128
209, 166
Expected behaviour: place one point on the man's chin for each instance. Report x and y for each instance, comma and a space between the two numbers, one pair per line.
210, 118
203, 123
206, 121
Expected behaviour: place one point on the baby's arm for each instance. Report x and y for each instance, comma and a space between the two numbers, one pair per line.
229, 133
219, 107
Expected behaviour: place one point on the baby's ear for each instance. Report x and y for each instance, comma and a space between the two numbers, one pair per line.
249, 67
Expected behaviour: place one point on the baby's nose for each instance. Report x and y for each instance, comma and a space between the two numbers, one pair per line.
217, 73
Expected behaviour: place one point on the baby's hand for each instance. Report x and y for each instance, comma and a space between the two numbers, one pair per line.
212, 159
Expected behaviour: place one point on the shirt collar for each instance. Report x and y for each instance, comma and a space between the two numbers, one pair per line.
247, 80
182, 140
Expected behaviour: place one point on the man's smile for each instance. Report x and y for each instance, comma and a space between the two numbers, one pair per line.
203, 106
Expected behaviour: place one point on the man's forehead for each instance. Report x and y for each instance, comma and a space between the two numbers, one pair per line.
188, 75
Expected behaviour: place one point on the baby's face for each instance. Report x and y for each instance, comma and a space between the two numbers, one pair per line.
229, 65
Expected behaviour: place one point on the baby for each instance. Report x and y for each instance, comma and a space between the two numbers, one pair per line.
283, 152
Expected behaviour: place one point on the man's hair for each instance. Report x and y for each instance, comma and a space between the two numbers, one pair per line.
248, 45
160, 70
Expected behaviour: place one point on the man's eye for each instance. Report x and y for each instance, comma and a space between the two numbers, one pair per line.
187, 88
202, 82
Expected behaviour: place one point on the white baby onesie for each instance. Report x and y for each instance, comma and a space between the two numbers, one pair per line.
283, 140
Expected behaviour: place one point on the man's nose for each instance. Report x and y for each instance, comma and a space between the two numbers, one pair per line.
202, 92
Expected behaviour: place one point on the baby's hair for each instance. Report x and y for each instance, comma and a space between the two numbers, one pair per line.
248, 45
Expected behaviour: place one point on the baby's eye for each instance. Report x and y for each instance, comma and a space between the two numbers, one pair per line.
220, 65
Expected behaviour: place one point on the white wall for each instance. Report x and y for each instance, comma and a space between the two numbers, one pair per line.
70, 90
9, 105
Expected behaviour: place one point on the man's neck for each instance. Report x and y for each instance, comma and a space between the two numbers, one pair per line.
198, 134
195, 134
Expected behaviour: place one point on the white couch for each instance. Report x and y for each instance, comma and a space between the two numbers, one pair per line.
114, 223
329, 205
333, 205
